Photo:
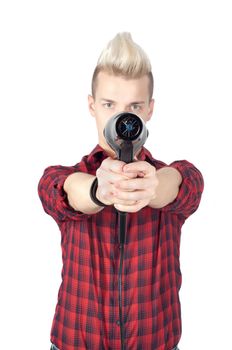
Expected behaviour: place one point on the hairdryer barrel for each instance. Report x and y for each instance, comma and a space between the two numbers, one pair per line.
125, 133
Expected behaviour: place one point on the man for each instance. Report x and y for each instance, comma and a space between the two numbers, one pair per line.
158, 199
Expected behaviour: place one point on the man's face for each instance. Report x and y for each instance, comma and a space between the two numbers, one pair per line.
115, 95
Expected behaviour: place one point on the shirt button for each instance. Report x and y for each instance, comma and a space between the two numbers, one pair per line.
118, 322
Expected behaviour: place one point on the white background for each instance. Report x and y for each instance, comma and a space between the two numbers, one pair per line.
48, 53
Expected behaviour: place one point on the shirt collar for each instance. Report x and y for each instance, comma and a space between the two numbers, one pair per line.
98, 153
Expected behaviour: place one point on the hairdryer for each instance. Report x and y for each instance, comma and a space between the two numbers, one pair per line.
125, 133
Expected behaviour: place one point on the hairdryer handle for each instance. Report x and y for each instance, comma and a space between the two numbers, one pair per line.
126, 152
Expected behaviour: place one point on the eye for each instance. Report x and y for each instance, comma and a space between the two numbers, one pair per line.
108, 105
135, 107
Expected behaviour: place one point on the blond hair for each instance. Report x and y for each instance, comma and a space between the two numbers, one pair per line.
123, 57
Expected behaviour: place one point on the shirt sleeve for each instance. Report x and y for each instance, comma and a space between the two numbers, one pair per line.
190, 190
52, 195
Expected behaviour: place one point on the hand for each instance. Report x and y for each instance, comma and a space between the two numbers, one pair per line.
129, 187
140, 191
108, 174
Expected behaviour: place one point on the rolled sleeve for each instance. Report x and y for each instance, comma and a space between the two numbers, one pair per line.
54, 198
190, 190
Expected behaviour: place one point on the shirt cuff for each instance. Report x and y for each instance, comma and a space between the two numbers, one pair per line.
63, 208
190, 190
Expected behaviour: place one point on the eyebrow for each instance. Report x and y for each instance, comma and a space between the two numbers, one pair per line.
106, 99
132, 103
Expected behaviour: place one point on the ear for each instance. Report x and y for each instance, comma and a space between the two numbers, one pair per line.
91, 105
150, 108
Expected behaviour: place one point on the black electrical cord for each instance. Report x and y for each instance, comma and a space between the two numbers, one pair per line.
122, 235
126, 155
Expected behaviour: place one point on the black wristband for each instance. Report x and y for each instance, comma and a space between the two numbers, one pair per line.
92, 192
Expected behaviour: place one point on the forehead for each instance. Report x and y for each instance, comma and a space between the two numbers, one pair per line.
121, 88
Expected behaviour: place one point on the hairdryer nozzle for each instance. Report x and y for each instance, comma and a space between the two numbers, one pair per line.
125, 133
128, 126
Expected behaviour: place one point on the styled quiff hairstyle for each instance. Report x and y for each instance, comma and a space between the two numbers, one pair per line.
123, 57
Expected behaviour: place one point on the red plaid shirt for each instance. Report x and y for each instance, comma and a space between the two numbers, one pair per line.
87, 312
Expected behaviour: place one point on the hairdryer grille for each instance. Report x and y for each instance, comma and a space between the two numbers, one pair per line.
128, 126
125, 133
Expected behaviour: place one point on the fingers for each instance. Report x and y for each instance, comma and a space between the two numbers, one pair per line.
131, 208
107, 195
116, 166
134, 184
131, 196
136, 189
124, 202
112, 170
139, 166
105, 176
113, 165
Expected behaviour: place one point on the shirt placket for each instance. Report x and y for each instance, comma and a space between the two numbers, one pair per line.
116, 323
115, 343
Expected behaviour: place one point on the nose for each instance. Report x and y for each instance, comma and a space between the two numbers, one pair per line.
121, 109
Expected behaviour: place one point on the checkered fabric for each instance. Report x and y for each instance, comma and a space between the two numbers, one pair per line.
87, 312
